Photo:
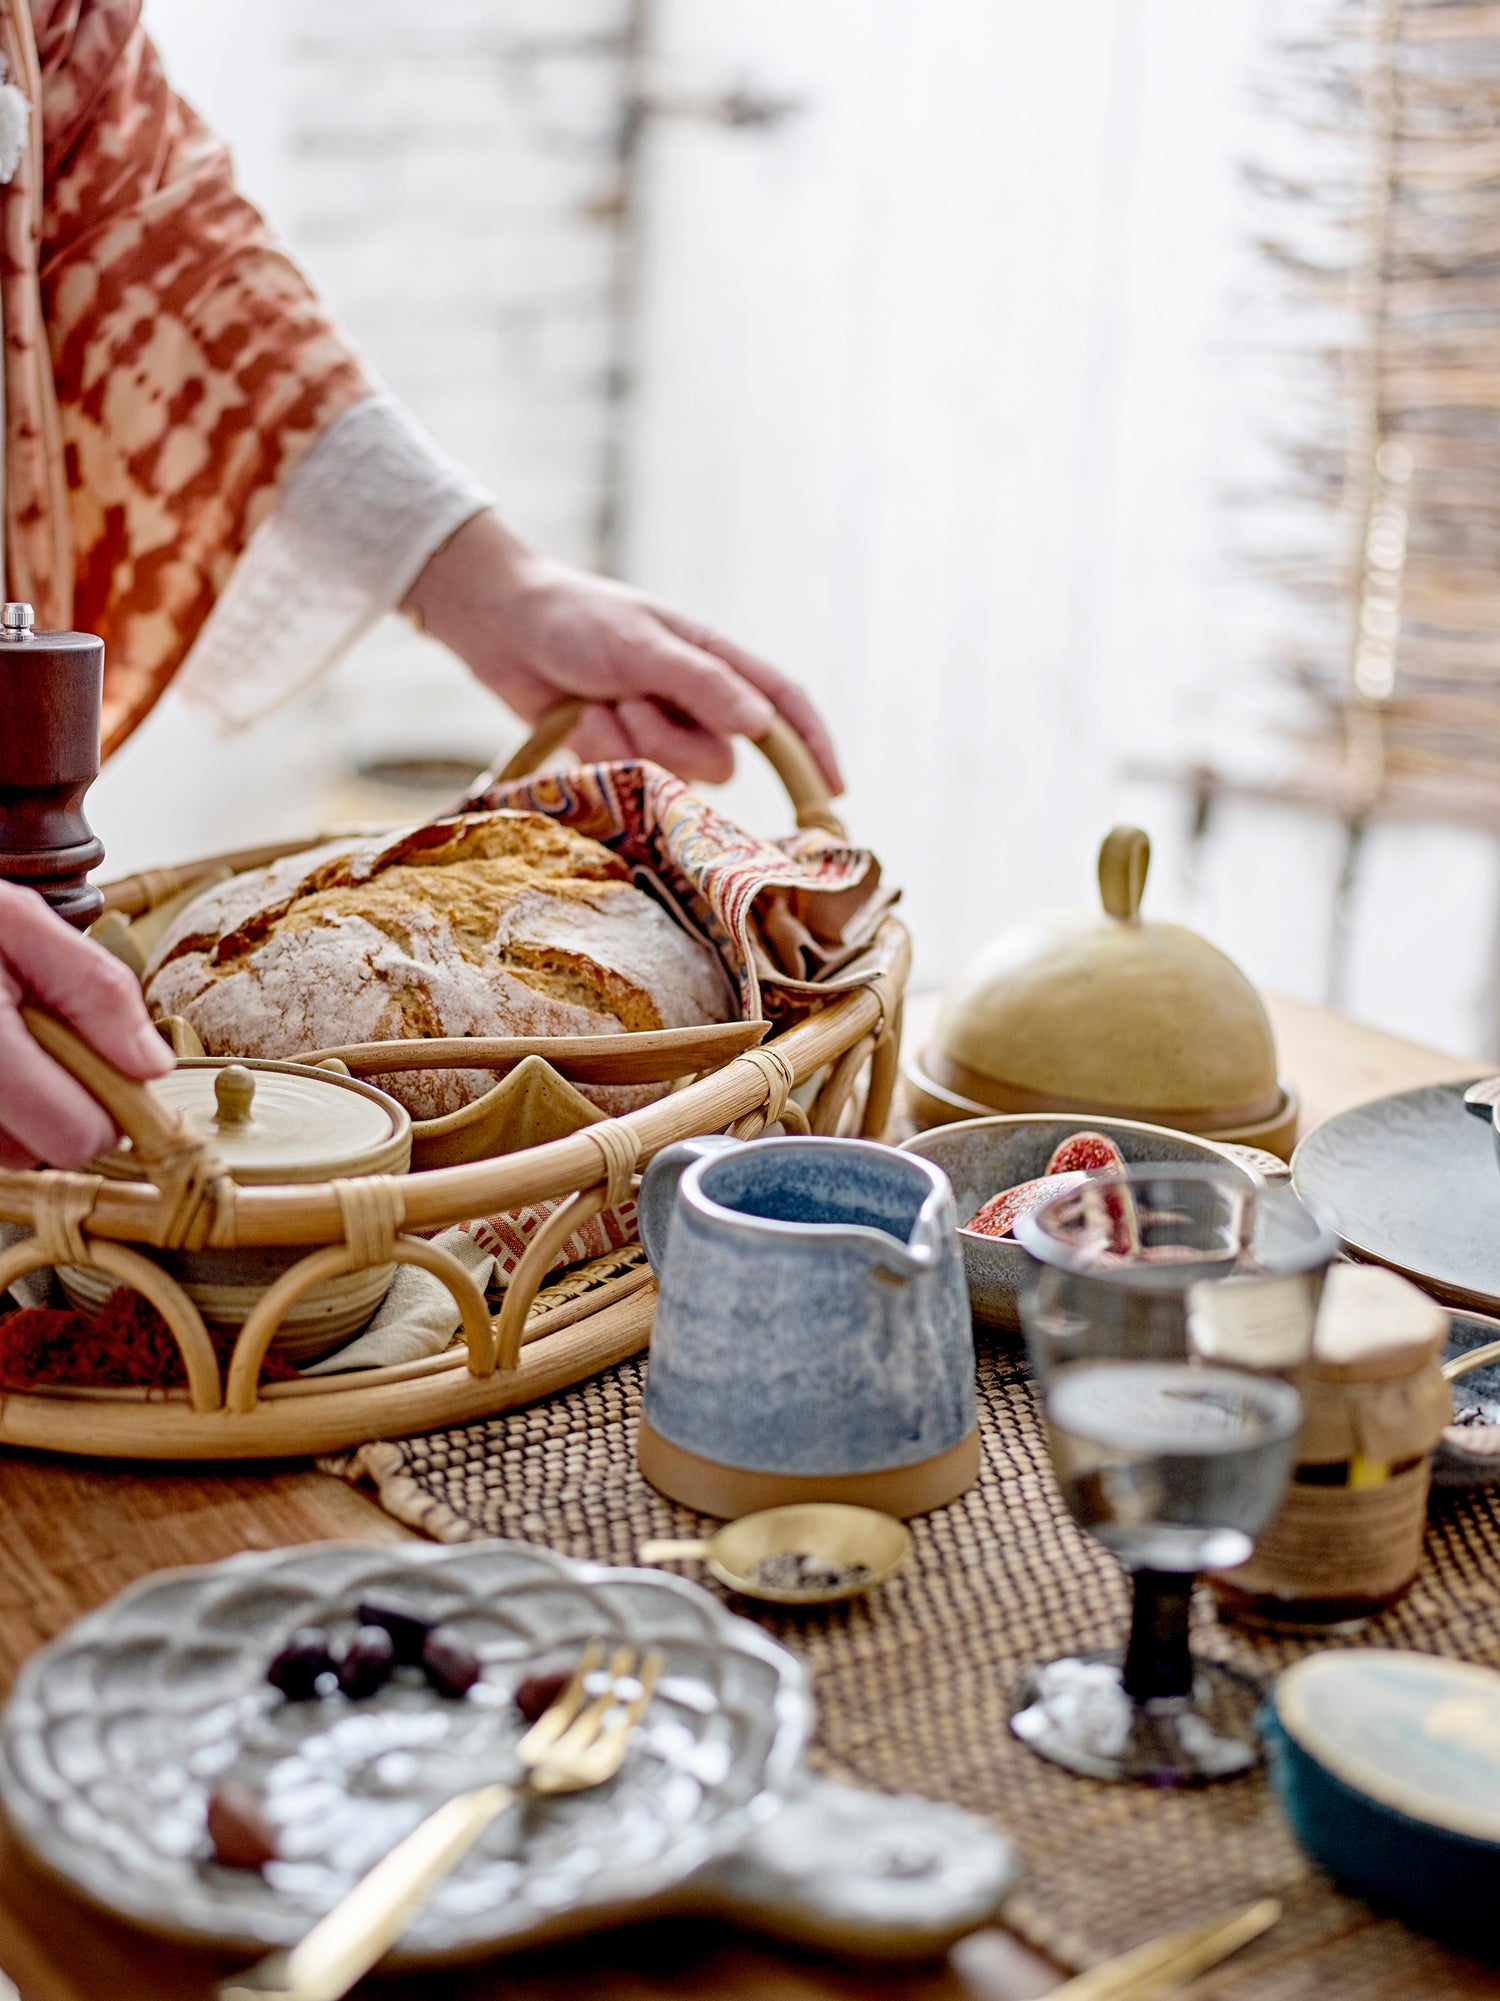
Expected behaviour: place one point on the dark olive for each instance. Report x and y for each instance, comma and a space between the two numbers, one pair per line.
538, 1692
238, 1829
450, 1664
366, 1661
296, 1668
406, 1626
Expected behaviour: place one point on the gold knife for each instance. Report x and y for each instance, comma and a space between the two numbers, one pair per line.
1172, 1961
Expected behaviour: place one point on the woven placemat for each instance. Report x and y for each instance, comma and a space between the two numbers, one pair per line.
913, 1684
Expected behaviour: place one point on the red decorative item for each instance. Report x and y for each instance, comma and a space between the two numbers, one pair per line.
238, 1829
125, 1345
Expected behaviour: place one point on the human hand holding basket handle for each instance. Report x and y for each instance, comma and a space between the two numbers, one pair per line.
787, 753
50, 1110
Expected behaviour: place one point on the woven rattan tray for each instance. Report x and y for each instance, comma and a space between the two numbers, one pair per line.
506, 1359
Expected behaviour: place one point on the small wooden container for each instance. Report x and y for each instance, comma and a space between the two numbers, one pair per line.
271, 1124
1347, 1541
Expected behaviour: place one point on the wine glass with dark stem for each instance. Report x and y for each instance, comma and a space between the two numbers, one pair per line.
1169, 1315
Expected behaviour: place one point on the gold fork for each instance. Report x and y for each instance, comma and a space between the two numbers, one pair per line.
577, 1743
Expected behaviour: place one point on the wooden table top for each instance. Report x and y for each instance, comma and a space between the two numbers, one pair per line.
75, 1532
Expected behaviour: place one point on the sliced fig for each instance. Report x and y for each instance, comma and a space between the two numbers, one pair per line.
1000, 1214
1085, 1152
1121, 1224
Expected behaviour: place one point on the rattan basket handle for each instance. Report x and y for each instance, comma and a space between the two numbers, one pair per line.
159, 1137
781, 747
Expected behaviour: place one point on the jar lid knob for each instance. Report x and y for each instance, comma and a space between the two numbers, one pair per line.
1123, 861
234, 1094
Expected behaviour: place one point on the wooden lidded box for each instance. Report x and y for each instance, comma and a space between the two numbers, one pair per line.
272, 1124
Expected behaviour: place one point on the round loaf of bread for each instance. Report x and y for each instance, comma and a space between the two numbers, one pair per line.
486, 924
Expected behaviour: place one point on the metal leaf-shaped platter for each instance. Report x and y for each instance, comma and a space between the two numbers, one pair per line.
117, 1732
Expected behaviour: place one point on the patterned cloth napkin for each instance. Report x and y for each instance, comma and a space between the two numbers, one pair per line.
787, 917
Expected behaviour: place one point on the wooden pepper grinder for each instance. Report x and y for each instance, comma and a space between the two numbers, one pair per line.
51, 687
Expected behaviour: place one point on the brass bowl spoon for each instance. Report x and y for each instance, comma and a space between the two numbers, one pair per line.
841, 1535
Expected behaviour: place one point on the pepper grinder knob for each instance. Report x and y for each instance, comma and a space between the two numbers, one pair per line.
51, 691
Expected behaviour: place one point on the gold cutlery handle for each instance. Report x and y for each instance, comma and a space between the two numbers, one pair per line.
1169, 1963
671, 1552
362, 1927
1476, 1358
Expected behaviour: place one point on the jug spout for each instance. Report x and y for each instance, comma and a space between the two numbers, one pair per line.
898, 1264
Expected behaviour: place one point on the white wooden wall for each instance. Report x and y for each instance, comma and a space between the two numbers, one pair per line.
936, 396
939, 396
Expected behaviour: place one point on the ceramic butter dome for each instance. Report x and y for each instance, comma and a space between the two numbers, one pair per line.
1108, 1013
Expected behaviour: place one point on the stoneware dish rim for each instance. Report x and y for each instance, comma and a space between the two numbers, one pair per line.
692, 1192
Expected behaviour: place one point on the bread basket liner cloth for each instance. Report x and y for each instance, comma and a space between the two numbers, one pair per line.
788, 918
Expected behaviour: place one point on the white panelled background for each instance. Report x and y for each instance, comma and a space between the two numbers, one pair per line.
933, 396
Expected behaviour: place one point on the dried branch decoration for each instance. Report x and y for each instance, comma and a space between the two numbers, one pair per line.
1389, 244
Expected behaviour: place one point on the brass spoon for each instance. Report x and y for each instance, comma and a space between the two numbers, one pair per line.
828, 1529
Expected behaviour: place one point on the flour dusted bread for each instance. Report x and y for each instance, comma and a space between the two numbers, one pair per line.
488, 924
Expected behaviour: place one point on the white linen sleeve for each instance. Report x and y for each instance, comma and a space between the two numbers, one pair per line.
372, 500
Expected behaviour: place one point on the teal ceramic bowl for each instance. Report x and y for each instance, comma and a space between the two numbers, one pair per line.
1387, 1766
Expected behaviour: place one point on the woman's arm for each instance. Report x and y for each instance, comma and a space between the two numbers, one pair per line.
240, 493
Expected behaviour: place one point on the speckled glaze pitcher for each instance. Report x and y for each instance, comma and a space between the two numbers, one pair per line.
812, 1337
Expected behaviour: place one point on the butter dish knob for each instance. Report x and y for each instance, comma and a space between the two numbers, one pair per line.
234, 1095
1123, 861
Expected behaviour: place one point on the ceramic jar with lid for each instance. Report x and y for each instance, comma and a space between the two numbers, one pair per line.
1347, 1541
271, 1124
1110, 1013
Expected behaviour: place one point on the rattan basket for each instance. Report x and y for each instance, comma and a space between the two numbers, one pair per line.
735, 1082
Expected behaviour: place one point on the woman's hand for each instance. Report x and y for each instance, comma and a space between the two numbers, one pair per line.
44, 1113
659, 685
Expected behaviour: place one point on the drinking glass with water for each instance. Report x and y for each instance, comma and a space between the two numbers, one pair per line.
1170, 1312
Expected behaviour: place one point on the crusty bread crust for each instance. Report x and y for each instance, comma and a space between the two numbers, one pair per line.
489, 924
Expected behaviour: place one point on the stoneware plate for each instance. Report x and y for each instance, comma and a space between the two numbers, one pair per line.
982, 1156
117, 1732
1410, 1182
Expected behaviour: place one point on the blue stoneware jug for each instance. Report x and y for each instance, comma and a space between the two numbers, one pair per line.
812, 1337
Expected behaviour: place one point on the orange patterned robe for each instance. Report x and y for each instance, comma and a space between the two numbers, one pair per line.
166, 365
